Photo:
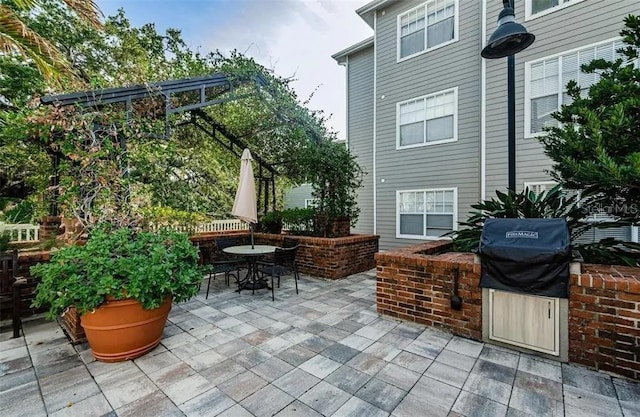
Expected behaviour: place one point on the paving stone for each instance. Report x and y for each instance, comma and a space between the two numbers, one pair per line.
381, 394
457, 360
222, 371
367, 363
371, 332
271, 369
434, 337
538, 384
540, 368
320, 366
435, 392
235, 411
232, 348
176, 340
316, 343
207, 404
383, 351
499, 356
395, 340
447, 374
251, 357
22, 400
412, 361
182, 390
298, 409
628, 395
340, 353
580, 402
535, 404
494, 371
242, 329
296, 355
204, 360
17, 378
588, 380
150, 364
398, 376
14, 353
411, 403
68, 387
489, 388
325, 398
357, 342
348, 379
355, 407
296, 382
334, 334
257, 337
267, 401
55, 360
423, 349
296, 335
350, 326
154, 404
275, 345
465, 346
241, 386
469, 404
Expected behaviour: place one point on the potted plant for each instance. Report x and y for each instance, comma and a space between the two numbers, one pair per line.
122, 282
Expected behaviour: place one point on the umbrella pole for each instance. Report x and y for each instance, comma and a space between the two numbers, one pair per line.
251, 230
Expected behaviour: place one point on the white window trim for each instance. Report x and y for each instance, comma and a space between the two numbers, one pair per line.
424, 51
415, 237
531, 184
309, 202
527, 82
530, 16
437, 142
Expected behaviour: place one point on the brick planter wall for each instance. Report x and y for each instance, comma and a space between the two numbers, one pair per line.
415, 283
604, 319
415, 287
332, 258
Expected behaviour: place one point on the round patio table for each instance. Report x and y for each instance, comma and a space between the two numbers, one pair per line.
251, 281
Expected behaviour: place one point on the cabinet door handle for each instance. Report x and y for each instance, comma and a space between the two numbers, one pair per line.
549, 309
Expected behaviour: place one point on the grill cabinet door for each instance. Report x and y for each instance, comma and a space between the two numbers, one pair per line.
524, 320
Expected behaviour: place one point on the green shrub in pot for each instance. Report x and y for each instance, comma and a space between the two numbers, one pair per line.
123, 264
271, 222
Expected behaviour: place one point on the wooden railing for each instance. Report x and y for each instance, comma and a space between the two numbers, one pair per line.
21, 232
227, 225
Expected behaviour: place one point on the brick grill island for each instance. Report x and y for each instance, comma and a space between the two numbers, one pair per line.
415, 283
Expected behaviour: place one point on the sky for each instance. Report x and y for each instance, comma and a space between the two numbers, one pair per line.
294, 38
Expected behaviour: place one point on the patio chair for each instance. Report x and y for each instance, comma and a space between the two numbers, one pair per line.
284, 263
214, 264
14, 291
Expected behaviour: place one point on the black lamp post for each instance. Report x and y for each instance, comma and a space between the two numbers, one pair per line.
509, 38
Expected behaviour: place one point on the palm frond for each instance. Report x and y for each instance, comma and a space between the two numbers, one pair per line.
87, 10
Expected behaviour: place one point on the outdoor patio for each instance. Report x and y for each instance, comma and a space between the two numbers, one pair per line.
322, 352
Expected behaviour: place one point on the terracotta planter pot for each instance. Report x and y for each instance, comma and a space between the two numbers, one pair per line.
123, 330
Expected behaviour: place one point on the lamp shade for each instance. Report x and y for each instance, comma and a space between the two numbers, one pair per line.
509, 38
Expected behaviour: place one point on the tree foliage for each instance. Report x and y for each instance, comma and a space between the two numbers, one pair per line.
596, 147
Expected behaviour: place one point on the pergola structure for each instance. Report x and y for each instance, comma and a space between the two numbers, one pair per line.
187, 96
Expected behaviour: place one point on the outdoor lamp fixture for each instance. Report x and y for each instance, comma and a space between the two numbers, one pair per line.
509, 38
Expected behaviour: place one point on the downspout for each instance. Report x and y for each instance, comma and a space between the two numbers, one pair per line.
346, 94
483, 106
375, 127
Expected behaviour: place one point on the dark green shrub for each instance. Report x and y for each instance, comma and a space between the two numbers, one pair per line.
299, 221
271, 222
525, 204
4, 241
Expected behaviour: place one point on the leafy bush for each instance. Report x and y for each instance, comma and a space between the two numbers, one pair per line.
5, 238
526, 204
17, 212
122, 263
271, 222
299, 221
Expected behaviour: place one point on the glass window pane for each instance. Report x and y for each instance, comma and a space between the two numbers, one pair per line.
541, 109
440, 221
440, 129
412, 43
430, 201
412, 133
440, 32
541, 5
411, 224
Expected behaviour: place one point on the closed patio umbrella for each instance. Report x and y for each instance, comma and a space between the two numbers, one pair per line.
245, 206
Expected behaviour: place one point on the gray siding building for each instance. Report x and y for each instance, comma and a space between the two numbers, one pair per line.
426, 115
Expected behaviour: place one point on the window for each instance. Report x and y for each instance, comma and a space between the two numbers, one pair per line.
427, 120
426, 214
425, 27
309, 202
536, 8
539, 187
546, 81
